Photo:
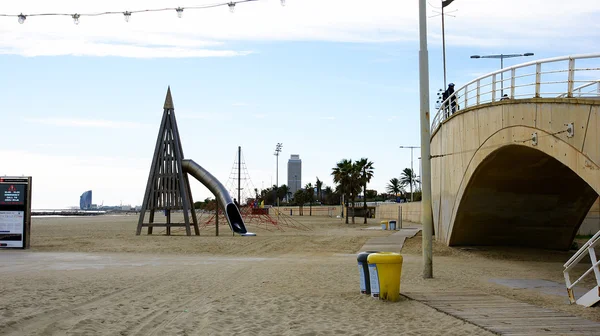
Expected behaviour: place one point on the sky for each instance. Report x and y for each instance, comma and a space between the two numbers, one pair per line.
330, 80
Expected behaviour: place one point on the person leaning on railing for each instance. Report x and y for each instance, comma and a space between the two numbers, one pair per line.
449, 107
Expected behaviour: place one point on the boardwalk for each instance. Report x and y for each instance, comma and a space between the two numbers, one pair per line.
393, 242
505, 316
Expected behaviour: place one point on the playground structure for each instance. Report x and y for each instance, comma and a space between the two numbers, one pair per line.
253, 213
257, 218
168, 187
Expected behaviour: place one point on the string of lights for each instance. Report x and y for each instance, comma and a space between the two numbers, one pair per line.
127, 14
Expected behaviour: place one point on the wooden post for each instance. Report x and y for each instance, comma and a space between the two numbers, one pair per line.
400, 217
168, 213
217, 218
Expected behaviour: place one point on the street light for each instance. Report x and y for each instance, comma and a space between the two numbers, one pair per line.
277, 151
502, 57
445, 3
411, 168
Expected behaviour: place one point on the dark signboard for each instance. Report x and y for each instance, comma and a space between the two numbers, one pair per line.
12, 194
15, 212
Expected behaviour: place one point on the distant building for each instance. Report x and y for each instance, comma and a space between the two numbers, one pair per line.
294, 173
85, 200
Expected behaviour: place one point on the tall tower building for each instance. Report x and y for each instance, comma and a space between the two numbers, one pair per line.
85, 200
294, 173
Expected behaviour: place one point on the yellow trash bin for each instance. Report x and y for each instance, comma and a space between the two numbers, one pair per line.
384, 225
385, 270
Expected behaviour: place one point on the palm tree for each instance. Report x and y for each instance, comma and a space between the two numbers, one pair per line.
310, 196
283, 191
366, 174
394, 187
319, 190
300, 199
329, 196
341, 175
408, 178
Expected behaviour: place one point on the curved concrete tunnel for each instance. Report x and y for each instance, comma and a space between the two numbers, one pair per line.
521, 196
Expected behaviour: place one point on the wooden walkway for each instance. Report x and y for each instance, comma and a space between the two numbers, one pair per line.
393, 242
505, 316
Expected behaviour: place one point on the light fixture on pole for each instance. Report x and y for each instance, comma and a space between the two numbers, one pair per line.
502, 57
179, 11
127, 16
22, 18
278, 148
231, 6
75, 18
411, 168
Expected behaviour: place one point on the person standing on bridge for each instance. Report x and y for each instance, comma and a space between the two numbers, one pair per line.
452, 97
449, 107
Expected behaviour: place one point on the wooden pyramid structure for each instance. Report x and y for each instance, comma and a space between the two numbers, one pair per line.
168, 187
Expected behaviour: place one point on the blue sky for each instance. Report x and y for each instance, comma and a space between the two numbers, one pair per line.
82, 104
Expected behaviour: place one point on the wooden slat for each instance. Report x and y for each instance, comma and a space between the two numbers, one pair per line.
505, 316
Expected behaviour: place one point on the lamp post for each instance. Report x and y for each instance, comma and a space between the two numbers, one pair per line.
411, 168
425, 124
502, 57
444, 4
277, 151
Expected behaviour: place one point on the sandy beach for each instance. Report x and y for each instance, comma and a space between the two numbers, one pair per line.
93, 276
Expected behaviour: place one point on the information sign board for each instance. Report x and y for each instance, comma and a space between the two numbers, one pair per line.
15, 212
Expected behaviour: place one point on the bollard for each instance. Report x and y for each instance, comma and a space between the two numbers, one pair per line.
385, 270
363, 269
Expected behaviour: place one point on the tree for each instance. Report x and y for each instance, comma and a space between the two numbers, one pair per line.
371, 194
341, 175
300, 199
347, 174
366, 174
408, 177
331, 197
394, 186
319, 190
283, 191
310, 196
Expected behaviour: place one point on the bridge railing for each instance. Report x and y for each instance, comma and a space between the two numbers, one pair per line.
588, 249
567, 76
591, 89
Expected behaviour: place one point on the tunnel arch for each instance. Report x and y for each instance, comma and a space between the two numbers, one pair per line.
520, 195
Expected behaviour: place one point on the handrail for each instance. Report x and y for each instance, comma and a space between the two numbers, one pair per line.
579, 88
586, 249
520, 85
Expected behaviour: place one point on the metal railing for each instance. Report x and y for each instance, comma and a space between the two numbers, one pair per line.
592, 89
547, 78
587, 249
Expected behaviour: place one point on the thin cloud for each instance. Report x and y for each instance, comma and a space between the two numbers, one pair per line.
260, 116
239, 104
92, 123
328, 118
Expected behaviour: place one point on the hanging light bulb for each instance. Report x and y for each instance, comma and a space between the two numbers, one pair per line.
75, 18
179, 12
22, 18
127, 16
231, 6
283, 2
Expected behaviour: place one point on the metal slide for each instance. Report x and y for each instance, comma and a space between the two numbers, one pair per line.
232, 213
